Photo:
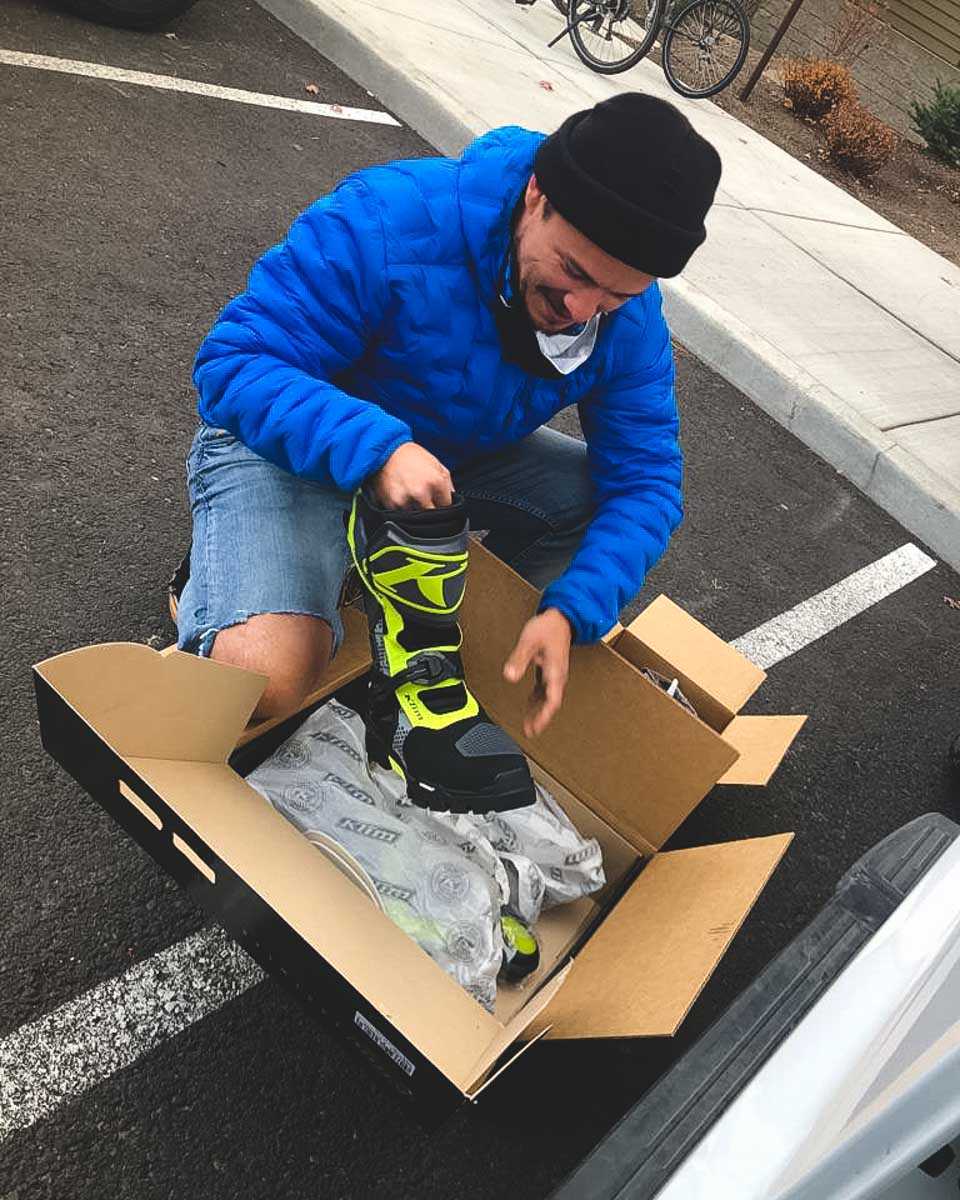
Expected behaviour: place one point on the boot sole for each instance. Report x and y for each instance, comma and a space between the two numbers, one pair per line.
441, 799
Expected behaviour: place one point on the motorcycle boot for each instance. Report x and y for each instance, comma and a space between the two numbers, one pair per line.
423, 722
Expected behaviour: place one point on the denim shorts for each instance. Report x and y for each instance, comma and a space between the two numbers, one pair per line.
267, 541
264, 541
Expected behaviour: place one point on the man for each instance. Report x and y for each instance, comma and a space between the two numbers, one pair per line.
410, 337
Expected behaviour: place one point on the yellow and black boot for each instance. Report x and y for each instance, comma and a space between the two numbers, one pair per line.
422, 720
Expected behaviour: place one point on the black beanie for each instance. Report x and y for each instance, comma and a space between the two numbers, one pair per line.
633, 176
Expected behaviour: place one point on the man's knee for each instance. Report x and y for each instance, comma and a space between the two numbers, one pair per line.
575, 508
570, 500
292, 649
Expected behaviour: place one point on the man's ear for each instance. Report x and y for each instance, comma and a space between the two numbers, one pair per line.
533, 195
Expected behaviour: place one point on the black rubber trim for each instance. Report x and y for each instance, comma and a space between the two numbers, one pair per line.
638, 1157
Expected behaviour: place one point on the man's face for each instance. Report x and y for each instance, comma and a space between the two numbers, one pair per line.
564, 278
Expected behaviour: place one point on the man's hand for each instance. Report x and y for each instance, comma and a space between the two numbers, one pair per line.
544, 642
412, 478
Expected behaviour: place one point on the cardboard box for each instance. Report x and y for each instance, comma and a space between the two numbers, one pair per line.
149, 735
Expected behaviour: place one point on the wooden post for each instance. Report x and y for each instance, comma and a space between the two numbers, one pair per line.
768, 53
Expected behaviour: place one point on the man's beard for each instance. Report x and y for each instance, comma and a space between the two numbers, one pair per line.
518, 339
528, 288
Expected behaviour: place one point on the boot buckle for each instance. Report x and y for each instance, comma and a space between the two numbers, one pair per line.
429, 667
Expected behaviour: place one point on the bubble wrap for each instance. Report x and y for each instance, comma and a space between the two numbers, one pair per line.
442, 877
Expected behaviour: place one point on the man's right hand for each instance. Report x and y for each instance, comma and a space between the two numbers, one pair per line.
412, 478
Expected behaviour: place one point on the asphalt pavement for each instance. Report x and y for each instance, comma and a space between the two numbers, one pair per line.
129, 217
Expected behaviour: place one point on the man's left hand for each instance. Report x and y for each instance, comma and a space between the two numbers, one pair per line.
545, 643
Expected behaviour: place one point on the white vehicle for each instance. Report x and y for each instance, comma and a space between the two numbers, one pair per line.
833, 1076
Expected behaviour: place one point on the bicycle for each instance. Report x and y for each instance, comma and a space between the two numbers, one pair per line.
704, 47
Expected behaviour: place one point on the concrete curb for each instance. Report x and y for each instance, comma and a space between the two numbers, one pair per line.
923, 502
895, 479
396, 89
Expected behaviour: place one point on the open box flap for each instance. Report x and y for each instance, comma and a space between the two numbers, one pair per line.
646, 963
762, 743
717, 679
152, 705
235, 825
619, 743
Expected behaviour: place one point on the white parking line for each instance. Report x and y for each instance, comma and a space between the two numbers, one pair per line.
78, 1045
170, 83
805, 623
86, 1040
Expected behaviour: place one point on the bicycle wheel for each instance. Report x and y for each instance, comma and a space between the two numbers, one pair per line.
613, 35
705, 46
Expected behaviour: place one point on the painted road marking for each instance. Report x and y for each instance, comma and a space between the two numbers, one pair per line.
86, 1040
821, 614
82, 1043
170, 83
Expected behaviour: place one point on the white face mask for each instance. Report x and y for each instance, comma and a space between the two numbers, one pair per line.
566, 351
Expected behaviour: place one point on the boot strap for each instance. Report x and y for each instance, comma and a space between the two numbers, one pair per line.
430, 667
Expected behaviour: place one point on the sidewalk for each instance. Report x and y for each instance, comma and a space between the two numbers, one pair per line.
835, 322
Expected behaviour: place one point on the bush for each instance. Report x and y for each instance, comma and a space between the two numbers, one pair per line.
938, 123
815, 86
857, 141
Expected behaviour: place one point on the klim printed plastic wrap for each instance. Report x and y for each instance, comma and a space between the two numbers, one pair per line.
441, 877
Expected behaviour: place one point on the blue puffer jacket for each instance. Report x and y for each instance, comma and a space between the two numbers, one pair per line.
372, 324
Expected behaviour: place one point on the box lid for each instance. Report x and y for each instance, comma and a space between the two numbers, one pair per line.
717, 679
647, 962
